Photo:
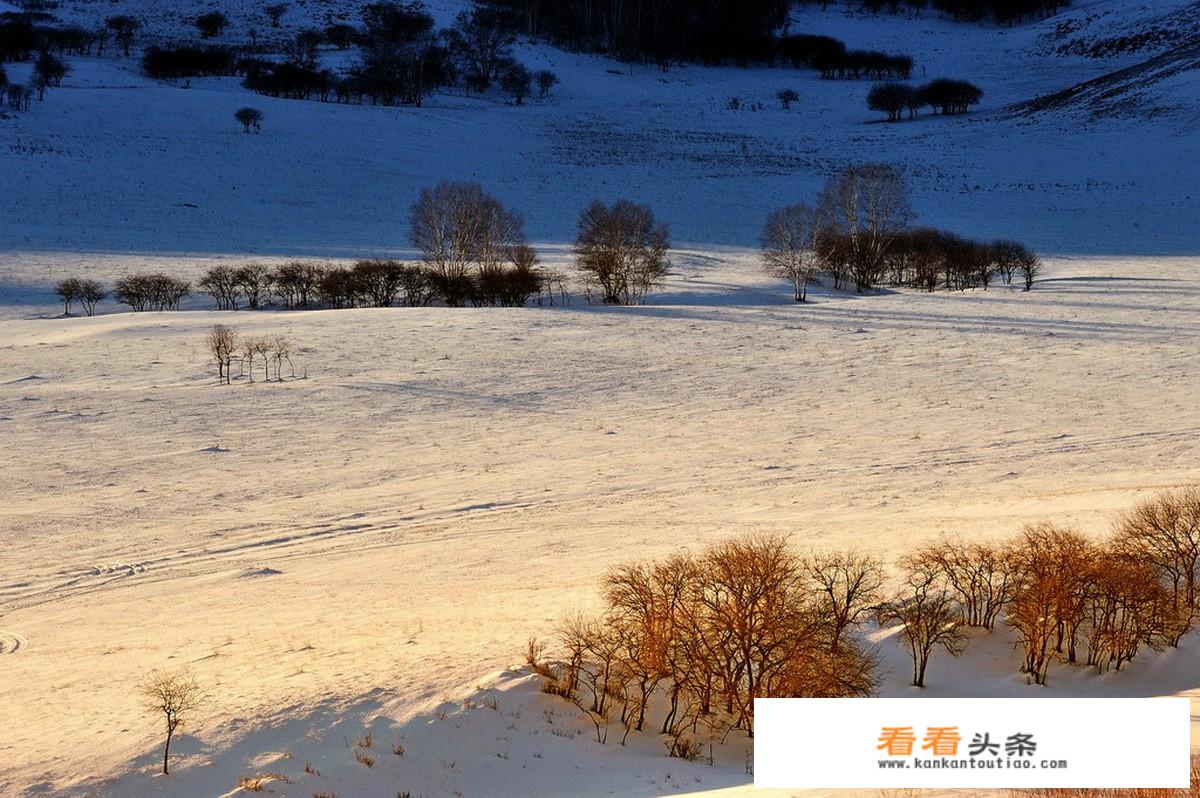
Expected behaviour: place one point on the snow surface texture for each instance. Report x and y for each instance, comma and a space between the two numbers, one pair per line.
353, 553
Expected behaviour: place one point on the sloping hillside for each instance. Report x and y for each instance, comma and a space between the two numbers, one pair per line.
1162, 86
336, 180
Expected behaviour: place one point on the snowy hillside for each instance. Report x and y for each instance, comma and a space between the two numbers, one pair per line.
351, 561
116, 162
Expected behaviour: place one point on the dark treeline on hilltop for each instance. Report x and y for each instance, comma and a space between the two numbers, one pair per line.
655, 30
742, 31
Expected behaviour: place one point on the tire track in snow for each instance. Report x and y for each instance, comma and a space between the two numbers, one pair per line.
64, 584
11, 642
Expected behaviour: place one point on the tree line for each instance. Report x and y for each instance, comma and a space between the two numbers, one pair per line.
659, 31
1005, 12
473, 251
700, 636
858, 232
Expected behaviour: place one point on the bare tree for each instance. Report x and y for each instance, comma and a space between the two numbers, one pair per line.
928, 618
1164, 532
68, 291
255, 281
151, 291
416, 286
380, 280
281, 350
517, 82
786, 97
892, 98
222, 343
1006, 258
221, 283
258, 347
459, 227
546, 81
1125, 609
174, 696
1053, 569
848, 586
211, 24
867, 207
251, 118
622, 250
481, 40
275, 12
1030, 266
90, 294
981, 574
789, 241
124, 28
297, 282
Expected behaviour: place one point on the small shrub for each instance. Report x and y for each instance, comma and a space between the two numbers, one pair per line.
365, 758
535, 649
546, 81
685, 748
251, 118
517, 82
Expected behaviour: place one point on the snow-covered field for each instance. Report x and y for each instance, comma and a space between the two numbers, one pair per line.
365, 551
353, 550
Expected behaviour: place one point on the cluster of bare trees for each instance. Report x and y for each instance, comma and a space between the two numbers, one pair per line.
227, 346
474, 249
472, 246
88, 293
944, 95
621, 249
48, 69
697, 637
858, 234
301, 284
18, 95
382, 283
1066, 596
926, 258
28, 35
151, 291
859, 213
